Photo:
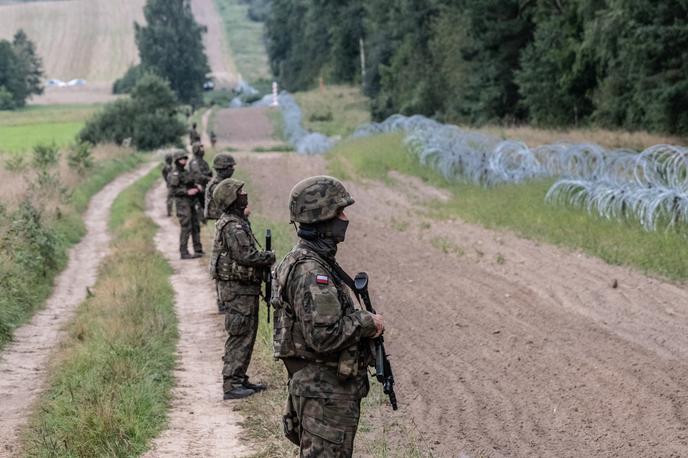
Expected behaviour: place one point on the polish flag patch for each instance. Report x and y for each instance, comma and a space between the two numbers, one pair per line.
322, 279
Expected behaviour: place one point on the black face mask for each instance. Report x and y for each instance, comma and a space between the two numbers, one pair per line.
334, 229
338, 229
225, 173
242, 201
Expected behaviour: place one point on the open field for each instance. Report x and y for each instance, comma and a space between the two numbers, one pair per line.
22, 129
245, 39
216, 46
334, 111
89, 39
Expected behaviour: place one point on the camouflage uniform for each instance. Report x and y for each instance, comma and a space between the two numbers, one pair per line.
201, 174
239, 268
224, 168
318, 333
166, 169
194, 136
180, 181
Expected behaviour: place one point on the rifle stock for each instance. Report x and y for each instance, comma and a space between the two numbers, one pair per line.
383, 368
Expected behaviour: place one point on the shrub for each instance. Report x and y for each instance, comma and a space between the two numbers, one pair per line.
148, 117
80, 157
125, 84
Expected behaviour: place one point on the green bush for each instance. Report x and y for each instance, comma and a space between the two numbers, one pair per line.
125, 84
80, 157
148, 117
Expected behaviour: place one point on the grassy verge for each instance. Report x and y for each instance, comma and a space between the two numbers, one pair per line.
522, 209
245, 38
59, 124
24, 288
336, 110
110, 386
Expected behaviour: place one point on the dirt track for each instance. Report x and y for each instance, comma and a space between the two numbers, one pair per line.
244, 129
200, 423
216, 47
24, 363
503, 346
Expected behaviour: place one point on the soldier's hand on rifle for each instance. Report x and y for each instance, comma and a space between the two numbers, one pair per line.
379, 324
247, 212
192, 192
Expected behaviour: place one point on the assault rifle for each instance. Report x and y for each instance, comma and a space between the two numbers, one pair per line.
268, 273
383, 369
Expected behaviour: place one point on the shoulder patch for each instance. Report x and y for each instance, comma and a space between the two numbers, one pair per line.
322, 279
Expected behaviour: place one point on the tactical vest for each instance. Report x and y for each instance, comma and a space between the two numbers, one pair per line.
288, 339
211, 210
223, 264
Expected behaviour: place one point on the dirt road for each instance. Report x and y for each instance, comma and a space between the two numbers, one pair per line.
200, 423
24, 363
216, 47
503, 346
245, 129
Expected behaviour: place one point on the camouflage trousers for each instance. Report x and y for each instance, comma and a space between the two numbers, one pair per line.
188, 220
327, 427
170, 205
241, 324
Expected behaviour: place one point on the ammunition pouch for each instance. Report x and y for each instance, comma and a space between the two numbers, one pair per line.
229, 270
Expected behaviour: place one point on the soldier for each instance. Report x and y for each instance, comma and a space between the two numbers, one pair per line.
166, 169
238, 267
194, 136
224, 168
323, 340
184, 191
201, 174
213, 138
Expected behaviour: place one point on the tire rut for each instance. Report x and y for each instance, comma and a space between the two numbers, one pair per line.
25, 363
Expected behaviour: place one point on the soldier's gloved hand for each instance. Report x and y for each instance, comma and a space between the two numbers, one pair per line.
379, 324
192, 192
272, 256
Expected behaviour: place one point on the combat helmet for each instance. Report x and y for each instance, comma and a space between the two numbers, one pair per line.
317, 199
223, 161
180, 154
226, 192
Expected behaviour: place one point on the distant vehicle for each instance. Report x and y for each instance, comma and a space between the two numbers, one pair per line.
77, 82
209, 85
56, 83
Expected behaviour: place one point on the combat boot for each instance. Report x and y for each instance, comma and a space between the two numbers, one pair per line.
186, 256
255, 386
238, 392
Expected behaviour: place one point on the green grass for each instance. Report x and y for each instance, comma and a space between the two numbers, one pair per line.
22, 291
22, 129
336, 111
522, 209
109, 391
245, 39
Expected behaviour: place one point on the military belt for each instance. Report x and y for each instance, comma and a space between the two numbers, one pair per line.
294, 365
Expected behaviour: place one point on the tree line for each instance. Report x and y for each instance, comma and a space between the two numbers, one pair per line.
611, 63
21, 71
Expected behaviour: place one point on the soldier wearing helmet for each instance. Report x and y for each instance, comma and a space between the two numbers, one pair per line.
166, 169
201, 174
238, 267
224, 168
184, 191
194, 136
323, 340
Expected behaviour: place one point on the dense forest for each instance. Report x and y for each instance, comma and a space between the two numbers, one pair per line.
612, 63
